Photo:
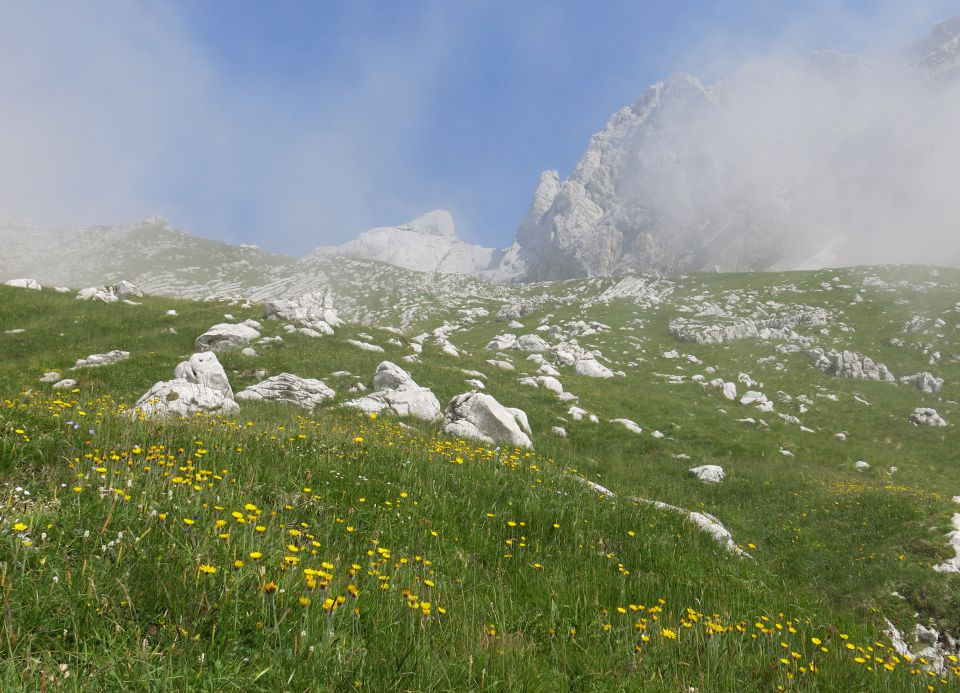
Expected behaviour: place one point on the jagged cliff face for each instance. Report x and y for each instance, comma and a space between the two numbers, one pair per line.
835, 160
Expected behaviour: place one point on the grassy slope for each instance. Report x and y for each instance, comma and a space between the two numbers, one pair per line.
129, 602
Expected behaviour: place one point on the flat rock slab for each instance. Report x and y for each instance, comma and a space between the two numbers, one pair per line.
286, 387
94, 360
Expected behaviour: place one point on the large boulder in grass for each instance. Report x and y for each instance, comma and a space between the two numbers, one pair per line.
313, 310
479, 416
225, 336
286, 387
397, 393
389, 376
199, 385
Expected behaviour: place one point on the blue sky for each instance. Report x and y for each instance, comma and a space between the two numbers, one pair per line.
296, 124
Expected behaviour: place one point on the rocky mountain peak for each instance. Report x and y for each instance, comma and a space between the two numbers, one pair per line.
439, 222
937, 56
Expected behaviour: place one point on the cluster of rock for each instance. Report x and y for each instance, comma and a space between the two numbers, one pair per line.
849, 364
565, 353
311, 314
121, 291
780, 327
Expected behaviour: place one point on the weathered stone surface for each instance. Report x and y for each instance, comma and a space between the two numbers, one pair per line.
479, 416
225, 336
313, 310
924, 416
849, 364
286, 387
199, 385
49, 377
94, 360
65, 384
925, 381
389, 376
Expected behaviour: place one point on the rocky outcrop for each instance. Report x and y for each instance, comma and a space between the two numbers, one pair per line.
925, 416
781, 327
199, 385
94, 360
313, 311
927, 382
849, 364
286, 387
479, 416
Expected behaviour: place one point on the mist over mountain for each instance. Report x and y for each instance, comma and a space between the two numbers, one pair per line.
832, 160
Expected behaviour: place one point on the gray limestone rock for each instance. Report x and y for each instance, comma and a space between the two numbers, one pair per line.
199, 385
286, 387
479, 416
225, 336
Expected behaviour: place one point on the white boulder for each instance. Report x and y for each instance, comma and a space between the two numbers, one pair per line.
397, 393
479, 416
65, 384
225, 336
592, 368
924, 416
709, 473
199, 385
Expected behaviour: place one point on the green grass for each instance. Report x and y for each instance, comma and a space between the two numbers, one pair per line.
529, 566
